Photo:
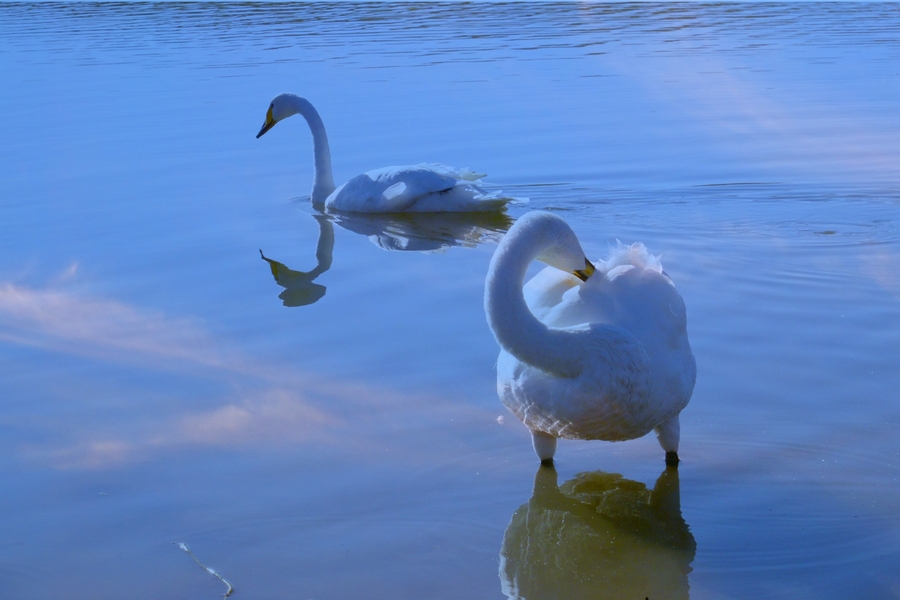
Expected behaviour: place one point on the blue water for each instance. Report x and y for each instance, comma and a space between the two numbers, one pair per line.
155, 388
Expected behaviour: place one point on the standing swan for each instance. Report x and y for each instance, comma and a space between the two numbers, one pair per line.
607, 359
419, 188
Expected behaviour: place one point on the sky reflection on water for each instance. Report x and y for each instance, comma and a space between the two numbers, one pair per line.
156, 389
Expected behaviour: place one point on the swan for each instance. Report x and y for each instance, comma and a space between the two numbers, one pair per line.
602, 357
418, 188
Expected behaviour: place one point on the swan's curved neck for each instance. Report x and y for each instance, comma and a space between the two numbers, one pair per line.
517, 330
323, 182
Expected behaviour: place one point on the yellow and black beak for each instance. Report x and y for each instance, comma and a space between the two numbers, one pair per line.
586, 272
269, 124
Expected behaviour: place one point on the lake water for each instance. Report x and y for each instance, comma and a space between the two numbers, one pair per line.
340, 438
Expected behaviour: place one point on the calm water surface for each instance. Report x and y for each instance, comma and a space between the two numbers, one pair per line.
334, 432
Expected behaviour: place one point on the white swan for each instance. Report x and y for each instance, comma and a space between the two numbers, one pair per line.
607, 359
418, 188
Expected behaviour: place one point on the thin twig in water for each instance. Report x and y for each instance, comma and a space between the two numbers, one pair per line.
184, 547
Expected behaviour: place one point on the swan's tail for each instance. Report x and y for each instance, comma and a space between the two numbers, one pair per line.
470, 175
634, 255
497, 201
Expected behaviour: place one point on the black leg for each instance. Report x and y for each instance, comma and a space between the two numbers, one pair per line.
672, 459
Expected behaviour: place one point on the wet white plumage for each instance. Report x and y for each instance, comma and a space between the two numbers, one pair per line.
607, 359
419, 188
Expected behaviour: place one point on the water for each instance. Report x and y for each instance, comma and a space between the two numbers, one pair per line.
156, 389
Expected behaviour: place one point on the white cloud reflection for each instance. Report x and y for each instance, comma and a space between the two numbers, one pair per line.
272, 417
66, 322
261, 404
790, 126
881, 266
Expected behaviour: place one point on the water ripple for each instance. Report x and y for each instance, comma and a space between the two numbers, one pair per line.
425, 31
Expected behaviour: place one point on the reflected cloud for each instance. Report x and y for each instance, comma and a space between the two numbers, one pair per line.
299, 286
599, 535
427, 232
273, 416
62, 321
251, 402
788, 120
881, 266
751, 115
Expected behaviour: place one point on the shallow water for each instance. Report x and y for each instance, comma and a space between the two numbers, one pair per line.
156, 388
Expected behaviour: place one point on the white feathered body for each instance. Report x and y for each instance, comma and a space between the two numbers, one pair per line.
637, 368
419, 188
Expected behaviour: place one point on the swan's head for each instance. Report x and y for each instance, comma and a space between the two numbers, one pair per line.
575, 262
586, 272
559, 245
281, 107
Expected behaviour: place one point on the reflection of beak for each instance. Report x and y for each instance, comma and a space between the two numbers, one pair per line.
586, 272
273, 264
269, 124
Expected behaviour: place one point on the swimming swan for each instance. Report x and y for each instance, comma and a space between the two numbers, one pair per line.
606, 359
419, 188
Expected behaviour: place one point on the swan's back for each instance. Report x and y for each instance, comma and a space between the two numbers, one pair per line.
419, 188
638, 296
642, 360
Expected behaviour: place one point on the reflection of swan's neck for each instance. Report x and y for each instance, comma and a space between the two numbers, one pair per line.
325, 246
517, 330
323, 182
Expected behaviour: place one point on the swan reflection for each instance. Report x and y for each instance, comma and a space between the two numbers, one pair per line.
426, 232
598, 536
421, 232
299, 286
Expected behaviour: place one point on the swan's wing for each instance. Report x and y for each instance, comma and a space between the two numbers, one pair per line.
404, 186
392, 189
645, 303
465, 173
462, 198
545, 290
419, 188
633, 255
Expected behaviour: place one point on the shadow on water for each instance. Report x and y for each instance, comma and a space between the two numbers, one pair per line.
420, 232
598, 536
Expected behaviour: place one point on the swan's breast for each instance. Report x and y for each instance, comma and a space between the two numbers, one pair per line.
610, 399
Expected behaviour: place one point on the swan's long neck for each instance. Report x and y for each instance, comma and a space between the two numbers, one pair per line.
323, 182
517, 330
